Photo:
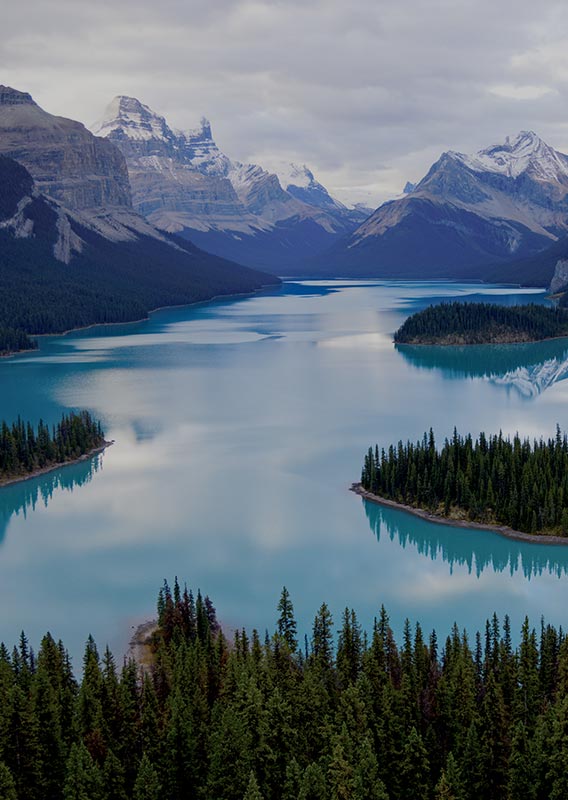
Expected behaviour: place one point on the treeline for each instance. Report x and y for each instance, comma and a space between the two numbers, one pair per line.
513, 482
12, 340
24, 448
482, 323
272, 719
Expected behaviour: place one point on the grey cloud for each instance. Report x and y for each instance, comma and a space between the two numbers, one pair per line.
367, 93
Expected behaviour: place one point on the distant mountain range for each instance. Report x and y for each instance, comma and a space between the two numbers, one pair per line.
142, 192
479, 216
184, 184
73, 251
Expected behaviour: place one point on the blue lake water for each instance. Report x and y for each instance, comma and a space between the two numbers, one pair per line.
239, 426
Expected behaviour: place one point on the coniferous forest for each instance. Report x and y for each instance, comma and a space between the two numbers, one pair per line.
512, 482
25, 449
275, 718
12, 340
482, 323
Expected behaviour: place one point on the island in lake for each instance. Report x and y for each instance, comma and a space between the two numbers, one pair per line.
458, 323
515, 486
26, 451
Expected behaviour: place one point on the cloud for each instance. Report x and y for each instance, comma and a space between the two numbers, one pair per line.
367, 93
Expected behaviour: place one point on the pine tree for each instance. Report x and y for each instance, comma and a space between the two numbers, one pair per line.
7, 784
147, 785
83, 780
252, 792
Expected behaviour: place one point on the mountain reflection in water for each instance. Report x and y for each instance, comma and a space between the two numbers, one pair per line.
528, 369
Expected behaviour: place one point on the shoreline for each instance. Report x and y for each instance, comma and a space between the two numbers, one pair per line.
479, 344
151, 311
37, 473
501, 530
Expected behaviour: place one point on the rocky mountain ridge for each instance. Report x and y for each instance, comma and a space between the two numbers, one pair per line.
508, 201
67, 162
183, 183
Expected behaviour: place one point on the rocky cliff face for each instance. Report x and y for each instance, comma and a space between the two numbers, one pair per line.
179, 179
184, 184
67, 162
560, 278
506, 202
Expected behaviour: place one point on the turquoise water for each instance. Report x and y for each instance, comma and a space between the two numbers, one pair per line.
239, 426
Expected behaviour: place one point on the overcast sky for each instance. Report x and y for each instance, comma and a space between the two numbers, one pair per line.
366, 92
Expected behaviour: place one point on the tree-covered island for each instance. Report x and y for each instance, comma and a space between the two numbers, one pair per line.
493, 480
458, 323
26, 450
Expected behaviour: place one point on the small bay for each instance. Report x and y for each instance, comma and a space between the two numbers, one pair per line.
239, 426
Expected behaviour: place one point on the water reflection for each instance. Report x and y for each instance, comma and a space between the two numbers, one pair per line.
21, 498
528, 369
476, 550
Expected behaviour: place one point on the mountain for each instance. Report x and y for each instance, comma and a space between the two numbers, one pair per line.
506, 202
184, 184
69, 164
72, 250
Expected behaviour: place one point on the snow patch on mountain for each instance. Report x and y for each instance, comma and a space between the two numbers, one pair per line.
525, 151
132, 119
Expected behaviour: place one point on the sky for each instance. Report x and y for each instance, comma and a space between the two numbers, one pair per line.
367, 93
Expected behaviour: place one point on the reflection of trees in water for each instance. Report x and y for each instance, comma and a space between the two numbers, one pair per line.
539, 363
23, 497
476, 550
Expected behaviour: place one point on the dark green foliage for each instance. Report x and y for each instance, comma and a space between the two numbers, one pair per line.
482, 323
494, 479
107, 281
12, 341
24, 449
365, 719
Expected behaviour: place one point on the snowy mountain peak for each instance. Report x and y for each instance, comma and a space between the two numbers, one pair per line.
201, 131
295, 175
126, 117
299, 181
524, 152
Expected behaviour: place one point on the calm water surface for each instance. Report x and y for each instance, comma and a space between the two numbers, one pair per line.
239, 426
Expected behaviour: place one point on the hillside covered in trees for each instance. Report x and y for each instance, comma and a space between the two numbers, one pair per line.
118, 277
360, 717
458, 323
492, 480
25, 449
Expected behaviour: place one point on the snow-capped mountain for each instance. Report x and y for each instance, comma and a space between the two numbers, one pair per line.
506, 202
74, 251
531, 381
185, 184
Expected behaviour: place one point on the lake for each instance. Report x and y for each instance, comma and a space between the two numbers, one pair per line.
239, 426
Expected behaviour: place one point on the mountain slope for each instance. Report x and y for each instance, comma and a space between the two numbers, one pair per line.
106, 279
184, 184
506, 202
72, 250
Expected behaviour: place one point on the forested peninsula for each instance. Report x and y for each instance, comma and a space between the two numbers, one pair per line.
26, 451
15, 341
356, 716
493, 481
458, 323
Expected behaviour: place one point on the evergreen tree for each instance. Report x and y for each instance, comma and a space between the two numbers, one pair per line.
147, 785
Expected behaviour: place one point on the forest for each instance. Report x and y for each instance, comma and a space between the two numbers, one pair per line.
493, 480
12, 341
353, 716
456, 323
25, 448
